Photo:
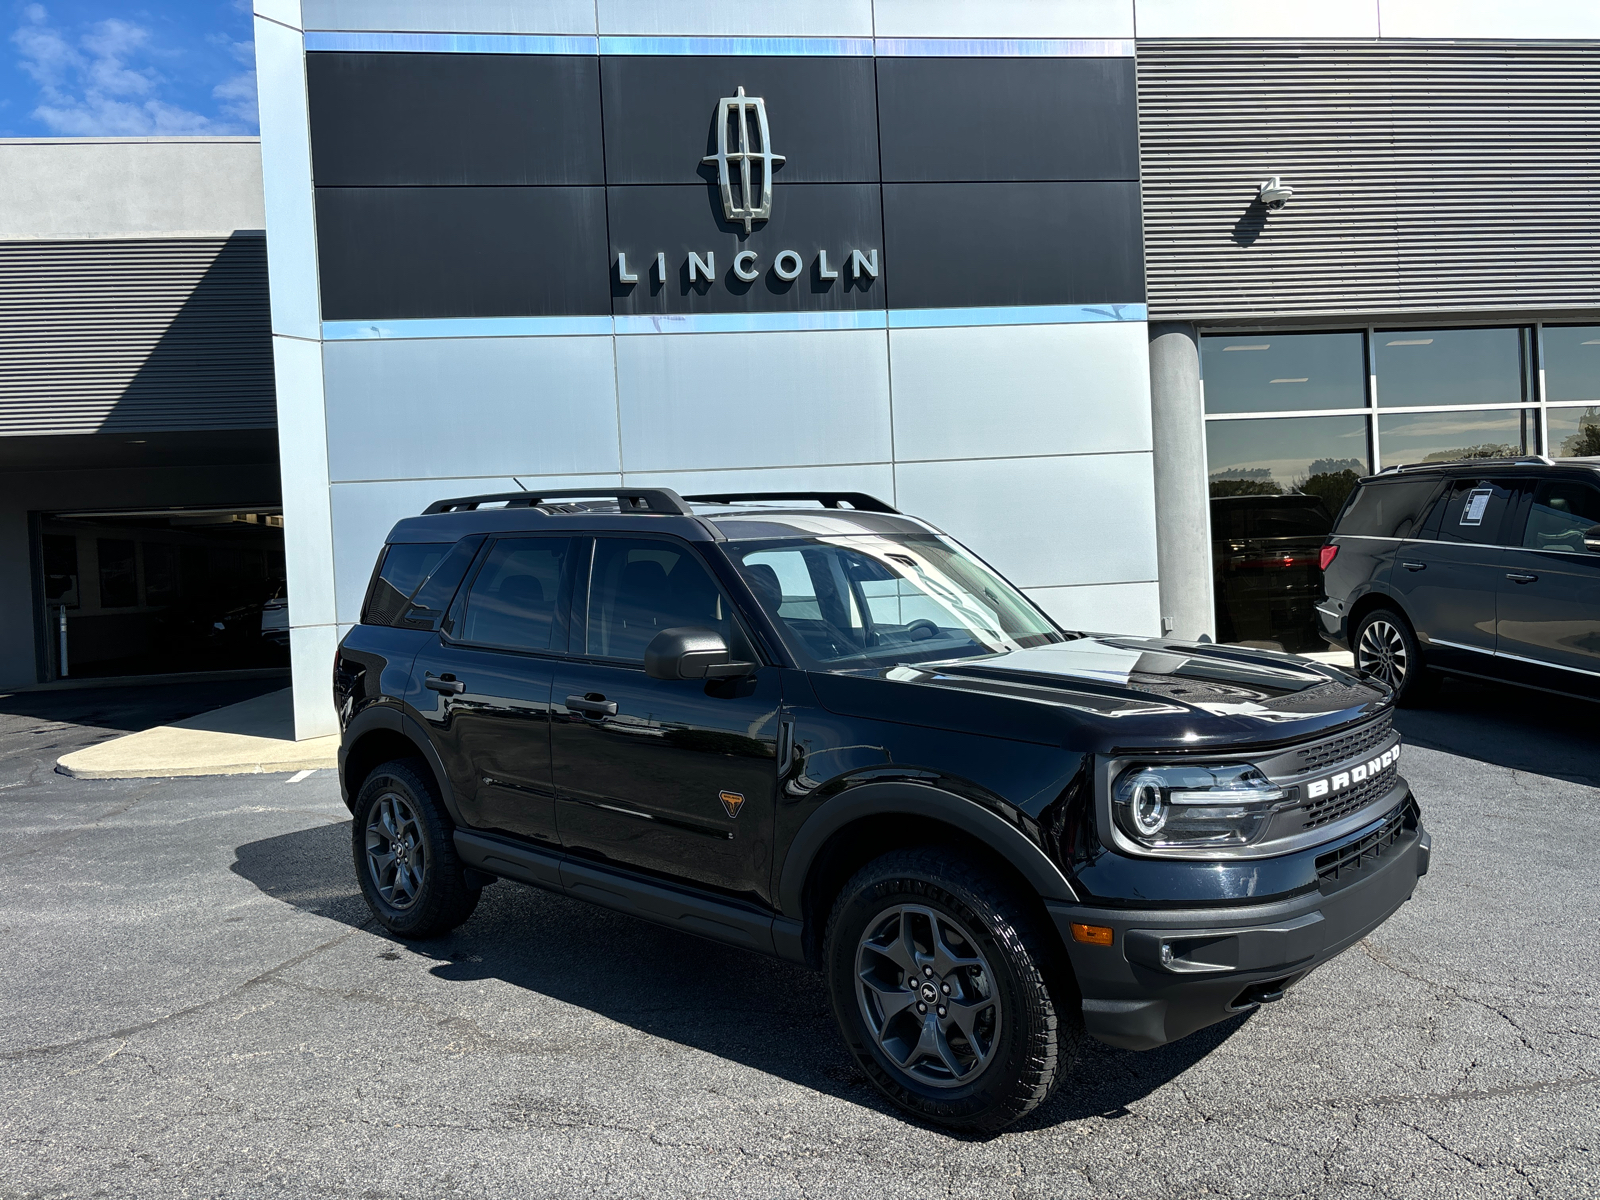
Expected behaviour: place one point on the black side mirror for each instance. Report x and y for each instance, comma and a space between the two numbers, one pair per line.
690, 653
1591, 539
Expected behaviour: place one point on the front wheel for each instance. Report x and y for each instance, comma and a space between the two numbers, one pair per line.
405, 855
1387, 650
941, 984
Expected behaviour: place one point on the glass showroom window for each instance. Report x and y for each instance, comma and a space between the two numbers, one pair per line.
1462, 369
1294, 419
1287, 436
1571, 360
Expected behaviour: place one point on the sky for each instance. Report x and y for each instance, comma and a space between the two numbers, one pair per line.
99, 68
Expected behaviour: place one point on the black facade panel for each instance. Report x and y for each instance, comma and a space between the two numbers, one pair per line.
955, 119
984, 244
454, 119
806, 218
659, 116
461, 252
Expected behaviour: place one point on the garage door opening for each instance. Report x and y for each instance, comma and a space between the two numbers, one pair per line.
154, 593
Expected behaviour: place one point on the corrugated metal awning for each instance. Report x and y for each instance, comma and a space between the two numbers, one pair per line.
135, 335
1427, 176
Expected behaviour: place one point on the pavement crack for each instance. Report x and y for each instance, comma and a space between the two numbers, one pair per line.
58, 838
129, 1031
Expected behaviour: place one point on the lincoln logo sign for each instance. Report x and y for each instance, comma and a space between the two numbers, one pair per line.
747, 116
745, 162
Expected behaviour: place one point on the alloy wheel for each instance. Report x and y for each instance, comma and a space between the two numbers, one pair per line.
1381, 653
396, 855
927, 996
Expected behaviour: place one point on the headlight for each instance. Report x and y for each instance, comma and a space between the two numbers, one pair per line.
1182, 807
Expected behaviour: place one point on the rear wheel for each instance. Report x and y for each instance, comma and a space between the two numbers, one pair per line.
405, 855
941, 984
1387, 650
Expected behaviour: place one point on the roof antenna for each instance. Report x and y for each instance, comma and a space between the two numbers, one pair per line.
519, 483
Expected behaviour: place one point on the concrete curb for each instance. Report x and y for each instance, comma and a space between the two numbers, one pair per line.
252, 738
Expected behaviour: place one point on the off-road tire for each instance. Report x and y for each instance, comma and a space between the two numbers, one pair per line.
1039, 1023
443, 900
1384, 626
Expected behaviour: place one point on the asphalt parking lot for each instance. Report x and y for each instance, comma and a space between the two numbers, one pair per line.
193, 1003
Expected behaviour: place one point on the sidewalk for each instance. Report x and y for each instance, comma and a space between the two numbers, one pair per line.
251, 738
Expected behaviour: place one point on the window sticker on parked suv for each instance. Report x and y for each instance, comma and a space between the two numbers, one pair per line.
1477, 501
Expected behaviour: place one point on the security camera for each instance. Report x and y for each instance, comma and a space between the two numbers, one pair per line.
1274, 194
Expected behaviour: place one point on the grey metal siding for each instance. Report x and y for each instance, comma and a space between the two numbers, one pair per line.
136, 335
1428, 177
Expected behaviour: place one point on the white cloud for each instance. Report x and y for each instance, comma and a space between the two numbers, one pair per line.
101, 83
238, 96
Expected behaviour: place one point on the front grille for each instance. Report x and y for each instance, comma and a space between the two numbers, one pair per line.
1347, 860
1325, 810
1350, 745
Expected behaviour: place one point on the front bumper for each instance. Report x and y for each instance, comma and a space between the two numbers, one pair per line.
1169, 972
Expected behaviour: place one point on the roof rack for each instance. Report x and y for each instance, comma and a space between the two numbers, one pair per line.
1524, 459
859, 501
630, 500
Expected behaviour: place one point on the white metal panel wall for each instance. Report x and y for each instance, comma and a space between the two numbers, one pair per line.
135, 335
1428, 177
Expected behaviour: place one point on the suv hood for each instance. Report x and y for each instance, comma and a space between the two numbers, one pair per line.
1152, 691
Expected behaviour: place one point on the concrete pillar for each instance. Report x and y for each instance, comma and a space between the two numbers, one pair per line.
1178, 440
297, 362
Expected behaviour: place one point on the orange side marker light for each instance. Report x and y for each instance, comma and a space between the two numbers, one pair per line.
1091, 935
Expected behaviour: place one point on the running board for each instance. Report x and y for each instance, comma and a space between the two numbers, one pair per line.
704, 915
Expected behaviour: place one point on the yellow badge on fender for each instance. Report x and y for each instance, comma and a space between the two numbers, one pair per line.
732, 801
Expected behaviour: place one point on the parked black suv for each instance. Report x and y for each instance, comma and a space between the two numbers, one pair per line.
1488, 568
817, 728
1265, 552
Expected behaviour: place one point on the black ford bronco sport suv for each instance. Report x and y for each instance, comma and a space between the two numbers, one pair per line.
811, 726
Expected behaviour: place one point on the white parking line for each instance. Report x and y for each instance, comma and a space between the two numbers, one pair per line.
301, 775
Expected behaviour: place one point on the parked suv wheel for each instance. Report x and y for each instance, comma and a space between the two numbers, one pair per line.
1386, 650
940, 983
405, 855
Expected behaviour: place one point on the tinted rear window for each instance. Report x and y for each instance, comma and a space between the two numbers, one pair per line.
1471, 510
512, 603
404, 566
1387, 509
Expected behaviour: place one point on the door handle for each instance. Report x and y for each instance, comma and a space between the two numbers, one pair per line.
1520, 577
1411, 566
447, 683
592, 707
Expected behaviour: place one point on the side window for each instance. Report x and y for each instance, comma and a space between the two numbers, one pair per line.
1391, 510
512, 601
1561, 511
638, 587
1471, 509
404, 565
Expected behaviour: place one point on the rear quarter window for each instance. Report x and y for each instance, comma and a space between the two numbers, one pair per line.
1391, 510
401, 569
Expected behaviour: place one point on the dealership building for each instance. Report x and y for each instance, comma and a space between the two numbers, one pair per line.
1057, 275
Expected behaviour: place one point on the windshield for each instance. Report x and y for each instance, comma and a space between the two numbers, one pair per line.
871, 600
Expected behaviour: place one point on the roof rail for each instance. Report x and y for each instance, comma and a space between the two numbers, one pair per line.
630, 500
859, 501
1523, 459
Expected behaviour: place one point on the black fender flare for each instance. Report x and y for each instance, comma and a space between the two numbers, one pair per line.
916, 800
389, 717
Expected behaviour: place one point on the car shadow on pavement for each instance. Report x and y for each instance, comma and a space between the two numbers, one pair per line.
763, 1013
1511, 727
